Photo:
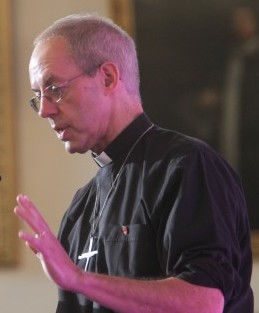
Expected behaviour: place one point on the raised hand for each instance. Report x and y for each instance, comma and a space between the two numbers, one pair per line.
55, 262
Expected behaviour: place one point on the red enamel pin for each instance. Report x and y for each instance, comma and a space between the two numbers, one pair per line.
125, 230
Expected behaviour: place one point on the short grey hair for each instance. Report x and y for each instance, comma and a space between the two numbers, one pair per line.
94, 40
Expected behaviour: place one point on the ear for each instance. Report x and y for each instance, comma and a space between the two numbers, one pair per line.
110, 75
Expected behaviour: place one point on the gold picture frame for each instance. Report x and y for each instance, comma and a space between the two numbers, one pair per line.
8, 227
123, 14
255, 243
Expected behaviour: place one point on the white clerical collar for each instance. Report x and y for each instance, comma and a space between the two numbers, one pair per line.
102, 159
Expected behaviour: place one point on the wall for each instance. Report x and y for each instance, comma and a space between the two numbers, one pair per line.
255, 284
44, 171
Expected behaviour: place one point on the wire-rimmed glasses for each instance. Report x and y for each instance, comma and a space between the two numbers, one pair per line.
53, 93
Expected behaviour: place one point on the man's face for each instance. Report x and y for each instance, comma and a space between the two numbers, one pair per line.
80, 119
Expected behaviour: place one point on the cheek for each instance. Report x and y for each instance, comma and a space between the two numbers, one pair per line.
91, 112
85, 121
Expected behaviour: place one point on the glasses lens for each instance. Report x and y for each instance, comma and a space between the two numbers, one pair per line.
53, 93
34, 103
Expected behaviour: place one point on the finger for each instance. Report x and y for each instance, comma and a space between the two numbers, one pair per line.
29, 214
33, 223
31, 248
30, 241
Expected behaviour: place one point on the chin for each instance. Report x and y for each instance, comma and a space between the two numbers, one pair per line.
74, 149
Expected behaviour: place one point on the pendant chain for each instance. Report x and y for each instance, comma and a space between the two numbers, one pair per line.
97, 220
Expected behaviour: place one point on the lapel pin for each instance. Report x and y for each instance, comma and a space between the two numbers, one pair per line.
125, 230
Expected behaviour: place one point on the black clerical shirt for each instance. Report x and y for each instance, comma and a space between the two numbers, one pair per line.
176, 210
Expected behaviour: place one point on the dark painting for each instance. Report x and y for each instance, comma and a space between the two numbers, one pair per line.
185, 48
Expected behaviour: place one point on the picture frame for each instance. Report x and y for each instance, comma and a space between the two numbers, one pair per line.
8, 223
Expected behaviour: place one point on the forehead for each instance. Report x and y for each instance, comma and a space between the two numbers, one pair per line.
51, 58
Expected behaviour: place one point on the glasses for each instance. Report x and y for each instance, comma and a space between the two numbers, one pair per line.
53, 93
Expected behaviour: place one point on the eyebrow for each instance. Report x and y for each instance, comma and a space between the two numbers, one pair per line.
48, 82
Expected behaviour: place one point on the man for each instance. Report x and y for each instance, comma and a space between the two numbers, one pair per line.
163, 226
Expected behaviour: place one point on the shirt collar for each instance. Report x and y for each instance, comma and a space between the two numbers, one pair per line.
102, 159
122, 143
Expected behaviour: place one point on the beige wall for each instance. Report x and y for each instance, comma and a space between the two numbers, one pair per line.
46, 173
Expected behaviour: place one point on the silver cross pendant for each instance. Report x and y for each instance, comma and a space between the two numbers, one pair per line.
89, 254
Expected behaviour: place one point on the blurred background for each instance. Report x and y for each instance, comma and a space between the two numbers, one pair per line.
199, 63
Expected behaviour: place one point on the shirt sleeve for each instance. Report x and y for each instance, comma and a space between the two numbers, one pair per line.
206, 235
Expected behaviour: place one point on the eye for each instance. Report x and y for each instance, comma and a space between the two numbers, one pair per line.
53, 93
55, 90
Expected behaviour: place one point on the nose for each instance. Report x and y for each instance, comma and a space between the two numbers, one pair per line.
47, 108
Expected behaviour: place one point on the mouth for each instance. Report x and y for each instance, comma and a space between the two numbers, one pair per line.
61, 133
